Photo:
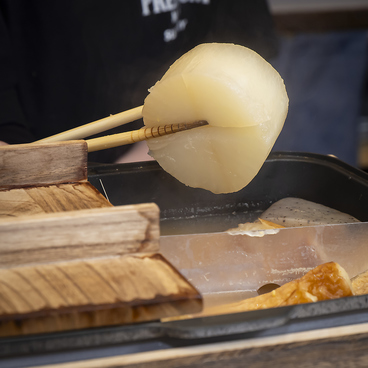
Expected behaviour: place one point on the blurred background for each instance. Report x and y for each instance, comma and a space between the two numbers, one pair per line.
67, 63
323, 60
322, 55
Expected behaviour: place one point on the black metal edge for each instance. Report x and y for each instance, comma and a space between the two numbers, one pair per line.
79, 339
193, 331
111, 169
246, 200
244, 322
321, 159
324, 160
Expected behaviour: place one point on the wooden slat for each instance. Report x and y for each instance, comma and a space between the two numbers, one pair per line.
42, 164
50, 199
90, 293
79, 234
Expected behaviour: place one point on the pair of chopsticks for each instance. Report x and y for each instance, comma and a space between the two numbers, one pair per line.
119, 139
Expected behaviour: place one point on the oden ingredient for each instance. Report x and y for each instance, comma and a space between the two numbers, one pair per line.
291, 212
294, 212
360, 283
326, 281
244, 101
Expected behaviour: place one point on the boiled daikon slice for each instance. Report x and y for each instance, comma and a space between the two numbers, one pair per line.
225, 84
215, 158
244, 101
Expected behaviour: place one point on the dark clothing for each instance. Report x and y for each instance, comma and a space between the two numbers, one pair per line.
64, 63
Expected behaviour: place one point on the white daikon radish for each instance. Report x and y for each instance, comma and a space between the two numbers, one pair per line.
244, 101
291, 212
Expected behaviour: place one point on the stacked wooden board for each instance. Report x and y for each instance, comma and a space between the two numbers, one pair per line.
68, 258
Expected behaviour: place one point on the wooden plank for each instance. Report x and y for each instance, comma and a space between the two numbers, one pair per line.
81, 294
79, 234
344, 346
50, 199
42, 164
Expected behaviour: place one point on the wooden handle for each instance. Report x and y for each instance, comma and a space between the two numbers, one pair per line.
97, 126
139, 135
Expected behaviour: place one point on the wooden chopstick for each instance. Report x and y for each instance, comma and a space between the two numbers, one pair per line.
121, 139
97, 126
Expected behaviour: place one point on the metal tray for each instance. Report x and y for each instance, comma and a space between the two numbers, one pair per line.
314, 177
322, 179
123, 340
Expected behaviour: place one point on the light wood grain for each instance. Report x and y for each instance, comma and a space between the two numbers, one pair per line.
50, 199
139, 135
344, 346
90, 293
42, 164
79, 234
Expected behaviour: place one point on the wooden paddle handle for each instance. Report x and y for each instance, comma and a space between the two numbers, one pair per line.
139, 135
